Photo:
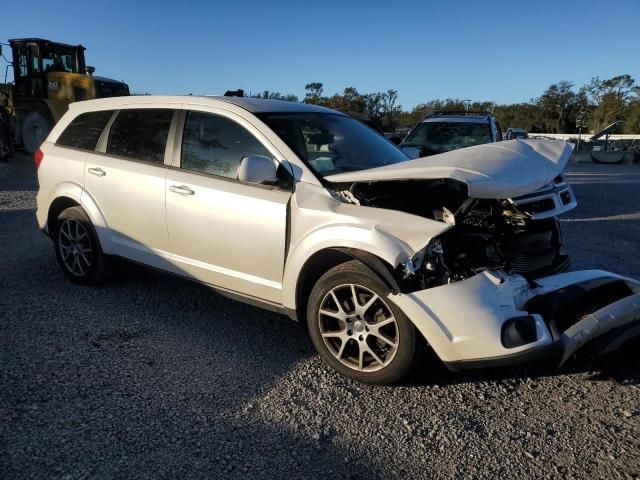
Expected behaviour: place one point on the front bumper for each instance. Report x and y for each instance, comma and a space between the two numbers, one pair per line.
464, 321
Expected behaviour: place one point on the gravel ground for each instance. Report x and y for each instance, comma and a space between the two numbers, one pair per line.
154, 377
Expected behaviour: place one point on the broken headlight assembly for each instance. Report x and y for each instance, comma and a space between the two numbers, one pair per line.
486, 235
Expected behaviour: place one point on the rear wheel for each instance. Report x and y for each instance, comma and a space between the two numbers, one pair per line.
78, 249
357, 330
34, 131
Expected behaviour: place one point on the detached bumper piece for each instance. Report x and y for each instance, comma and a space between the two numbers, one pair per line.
495, 319
605, 310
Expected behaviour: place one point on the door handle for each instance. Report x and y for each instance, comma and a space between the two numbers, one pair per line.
181, 190
98, 172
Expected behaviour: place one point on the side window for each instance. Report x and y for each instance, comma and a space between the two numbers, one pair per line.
215, 145
35, 59
84, 130
22, 62
140, 134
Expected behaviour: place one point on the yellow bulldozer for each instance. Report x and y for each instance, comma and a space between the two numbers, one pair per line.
47, 77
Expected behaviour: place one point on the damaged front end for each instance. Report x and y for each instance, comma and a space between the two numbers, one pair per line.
519, 235
490, 288
489, 291
493, 319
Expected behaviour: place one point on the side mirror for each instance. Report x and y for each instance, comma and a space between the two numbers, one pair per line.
257, 169
89, 70
411, 152
395, 139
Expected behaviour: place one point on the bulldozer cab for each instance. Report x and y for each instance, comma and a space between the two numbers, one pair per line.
34, 58
48, 76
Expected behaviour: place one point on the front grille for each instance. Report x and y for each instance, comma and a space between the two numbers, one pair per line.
538, 206
531, 252
551, 200
528, 263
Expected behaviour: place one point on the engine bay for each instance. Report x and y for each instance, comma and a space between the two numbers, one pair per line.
485, 233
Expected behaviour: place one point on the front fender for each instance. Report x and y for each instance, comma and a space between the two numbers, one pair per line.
382, 245
319, 222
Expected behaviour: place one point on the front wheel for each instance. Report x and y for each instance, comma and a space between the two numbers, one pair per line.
357, 330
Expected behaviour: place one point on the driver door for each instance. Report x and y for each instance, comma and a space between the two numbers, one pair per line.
224, 232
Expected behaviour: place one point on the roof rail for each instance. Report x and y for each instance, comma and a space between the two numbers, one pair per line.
457, 112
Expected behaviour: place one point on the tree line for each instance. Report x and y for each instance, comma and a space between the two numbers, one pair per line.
561, 108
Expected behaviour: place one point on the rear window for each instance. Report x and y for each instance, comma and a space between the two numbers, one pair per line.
140, 134
84, 130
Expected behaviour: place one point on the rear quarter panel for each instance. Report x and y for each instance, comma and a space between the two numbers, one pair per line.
61, 174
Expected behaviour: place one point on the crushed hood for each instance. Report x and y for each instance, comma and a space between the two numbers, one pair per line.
496, 170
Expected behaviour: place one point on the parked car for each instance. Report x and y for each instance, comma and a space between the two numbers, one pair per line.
305, 211
441, 132
516, 134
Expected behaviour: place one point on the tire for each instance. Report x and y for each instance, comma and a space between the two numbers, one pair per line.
346, 337
5, 138
78, 249
34, 130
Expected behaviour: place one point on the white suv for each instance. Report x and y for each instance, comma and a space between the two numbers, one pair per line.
308, 212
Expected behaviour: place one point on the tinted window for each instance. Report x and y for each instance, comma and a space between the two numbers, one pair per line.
140, 134
439, 137
214, 144
84, 130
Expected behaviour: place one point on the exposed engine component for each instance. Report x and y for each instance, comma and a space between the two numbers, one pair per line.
486, 233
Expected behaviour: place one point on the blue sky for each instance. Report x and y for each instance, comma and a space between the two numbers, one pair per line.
482, 50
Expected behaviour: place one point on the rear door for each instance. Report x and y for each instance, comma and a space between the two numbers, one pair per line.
222, 231
66, 159
126, 179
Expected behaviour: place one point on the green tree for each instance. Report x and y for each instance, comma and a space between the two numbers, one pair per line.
350, 102
612, 100
555, 104
390, 111
314, 93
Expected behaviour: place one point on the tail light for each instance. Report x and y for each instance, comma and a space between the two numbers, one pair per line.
37, 158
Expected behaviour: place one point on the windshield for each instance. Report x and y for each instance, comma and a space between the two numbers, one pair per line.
439, 137
333, 143
59, 59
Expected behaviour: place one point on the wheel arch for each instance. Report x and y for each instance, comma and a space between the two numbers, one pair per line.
73, 196
59, 205
324, 260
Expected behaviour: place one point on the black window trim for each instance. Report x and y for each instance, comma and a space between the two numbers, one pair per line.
105, 128
101, 147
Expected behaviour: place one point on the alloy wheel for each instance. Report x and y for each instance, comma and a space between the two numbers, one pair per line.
358, 327
75, 247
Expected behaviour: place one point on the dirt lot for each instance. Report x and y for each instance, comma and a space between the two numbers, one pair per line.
155, 377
